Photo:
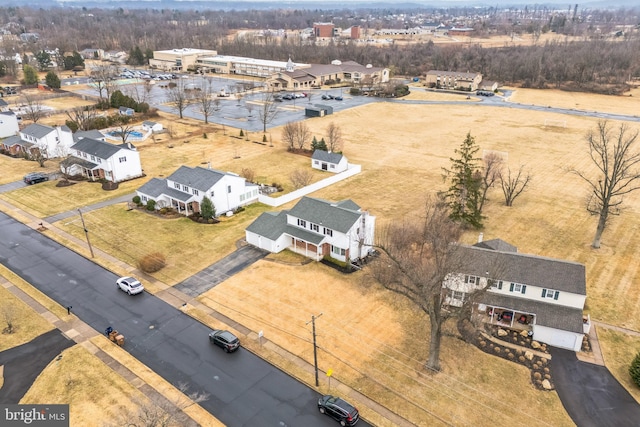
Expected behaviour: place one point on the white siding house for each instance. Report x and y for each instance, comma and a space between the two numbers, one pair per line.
328, 161
316, 229
8, 124
52, 142
184, 190
97, 159
542, 295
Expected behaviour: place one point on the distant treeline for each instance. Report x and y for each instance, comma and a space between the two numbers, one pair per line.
593, 64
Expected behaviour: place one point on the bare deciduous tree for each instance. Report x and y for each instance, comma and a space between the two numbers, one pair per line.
303, 135
9, 313
248, 174
268, 110
289, 135
617, 160
104, 79
416, 256
179, 98
205, 102
300, 178
160, 412
124, 130
334, 138
83, 117
513, 185
33, 108
492, 165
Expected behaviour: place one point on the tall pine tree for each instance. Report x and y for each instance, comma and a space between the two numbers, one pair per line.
464, 193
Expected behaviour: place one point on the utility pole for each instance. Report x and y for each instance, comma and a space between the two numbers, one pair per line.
86, 233
315, 347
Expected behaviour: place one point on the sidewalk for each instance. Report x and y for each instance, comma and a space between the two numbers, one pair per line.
81, 332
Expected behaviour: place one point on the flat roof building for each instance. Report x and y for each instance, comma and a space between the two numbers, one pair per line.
178, 60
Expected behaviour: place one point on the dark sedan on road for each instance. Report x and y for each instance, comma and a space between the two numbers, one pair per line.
35, 177
224, 339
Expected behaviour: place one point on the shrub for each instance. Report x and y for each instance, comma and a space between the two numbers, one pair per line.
151, 205
264, 138
355, 91
136, 200
204, 135
634, 370
241, 132
151, 263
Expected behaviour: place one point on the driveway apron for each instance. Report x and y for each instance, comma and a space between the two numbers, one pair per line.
590, 394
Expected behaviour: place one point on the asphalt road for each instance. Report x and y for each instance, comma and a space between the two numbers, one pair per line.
590, 394
244, 390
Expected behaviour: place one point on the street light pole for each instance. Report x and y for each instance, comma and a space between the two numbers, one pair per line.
315, 347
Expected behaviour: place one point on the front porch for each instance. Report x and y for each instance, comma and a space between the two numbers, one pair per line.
504, 317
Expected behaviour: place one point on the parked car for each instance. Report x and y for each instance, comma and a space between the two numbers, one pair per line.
338, 409
288, 97
129, 285
35, 177
224, 339
338, 98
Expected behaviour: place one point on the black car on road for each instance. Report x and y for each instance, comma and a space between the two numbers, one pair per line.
338, 409
35, 177
224, 339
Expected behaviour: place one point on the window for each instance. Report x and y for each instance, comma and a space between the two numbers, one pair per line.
470, 279
332, 166
517, 287
176, 185
328, 232
338, 251
550, 293
122, 159
315, 227
456, 295
144, 198
315, 162
496, 284
229, 189
185, 188
212, 194
302, 223
195, 192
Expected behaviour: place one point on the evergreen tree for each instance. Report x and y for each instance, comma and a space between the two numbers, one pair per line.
30, 75
634, 370
52, 79
44, 60
207, 210
465, 191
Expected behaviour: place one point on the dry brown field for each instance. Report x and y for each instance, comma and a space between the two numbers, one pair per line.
487, 42
402, 149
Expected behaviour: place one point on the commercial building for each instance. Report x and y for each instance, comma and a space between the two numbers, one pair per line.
178, 60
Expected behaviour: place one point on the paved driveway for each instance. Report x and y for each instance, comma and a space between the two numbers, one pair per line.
244, 389
590, 394
24, 363
217, 273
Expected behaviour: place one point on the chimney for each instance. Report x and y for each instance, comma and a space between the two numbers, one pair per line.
480, 237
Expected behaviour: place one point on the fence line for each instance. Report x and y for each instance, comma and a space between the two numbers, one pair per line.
286, 198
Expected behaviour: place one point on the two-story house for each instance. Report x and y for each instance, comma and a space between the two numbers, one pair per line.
544, 296
51, 141
316, 229
8, 124
98, 159
184, 190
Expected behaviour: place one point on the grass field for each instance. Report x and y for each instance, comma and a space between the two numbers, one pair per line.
402, 150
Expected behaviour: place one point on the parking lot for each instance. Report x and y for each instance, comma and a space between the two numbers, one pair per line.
241, 111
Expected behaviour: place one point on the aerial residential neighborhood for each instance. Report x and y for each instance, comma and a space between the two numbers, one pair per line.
247, 214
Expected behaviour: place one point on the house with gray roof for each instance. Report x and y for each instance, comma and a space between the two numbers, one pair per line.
51, 141
185, 189
544, 296
328, 161
96, 159
317, 229
93, 134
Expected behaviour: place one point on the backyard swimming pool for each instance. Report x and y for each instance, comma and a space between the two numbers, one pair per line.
133, 134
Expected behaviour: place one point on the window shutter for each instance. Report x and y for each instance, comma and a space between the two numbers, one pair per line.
524, 288
544, 293
556, 295
500, 284
511, 288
